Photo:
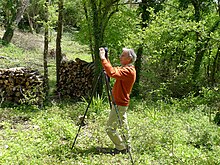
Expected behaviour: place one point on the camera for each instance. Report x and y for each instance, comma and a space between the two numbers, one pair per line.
106, 52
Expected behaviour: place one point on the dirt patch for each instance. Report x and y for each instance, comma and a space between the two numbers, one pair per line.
14, 120
28, 41
20, 119
22, 123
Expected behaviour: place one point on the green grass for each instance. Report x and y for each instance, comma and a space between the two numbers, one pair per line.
162, 133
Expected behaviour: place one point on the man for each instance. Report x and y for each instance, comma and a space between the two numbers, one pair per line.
125, 77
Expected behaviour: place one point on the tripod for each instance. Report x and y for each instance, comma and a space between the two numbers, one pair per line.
111, 101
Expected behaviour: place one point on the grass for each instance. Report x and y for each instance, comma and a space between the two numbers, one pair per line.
162, 133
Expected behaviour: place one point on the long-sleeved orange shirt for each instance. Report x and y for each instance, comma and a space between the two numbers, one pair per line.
125, 77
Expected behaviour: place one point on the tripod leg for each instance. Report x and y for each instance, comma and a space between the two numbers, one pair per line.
108, 89
93, 93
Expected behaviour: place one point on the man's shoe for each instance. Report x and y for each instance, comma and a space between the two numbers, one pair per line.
116, 151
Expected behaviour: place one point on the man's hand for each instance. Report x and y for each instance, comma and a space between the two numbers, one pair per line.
102, 53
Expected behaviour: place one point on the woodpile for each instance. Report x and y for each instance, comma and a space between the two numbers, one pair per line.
76, 78
20, 85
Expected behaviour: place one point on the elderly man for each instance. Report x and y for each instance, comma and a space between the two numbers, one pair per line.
125, 77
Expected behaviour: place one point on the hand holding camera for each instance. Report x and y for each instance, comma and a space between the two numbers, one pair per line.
102, 53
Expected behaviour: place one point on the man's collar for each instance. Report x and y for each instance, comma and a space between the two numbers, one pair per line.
127, 65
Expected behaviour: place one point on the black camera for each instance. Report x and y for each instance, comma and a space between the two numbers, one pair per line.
106, 52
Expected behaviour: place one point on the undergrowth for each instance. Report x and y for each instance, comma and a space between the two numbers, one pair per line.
161, 134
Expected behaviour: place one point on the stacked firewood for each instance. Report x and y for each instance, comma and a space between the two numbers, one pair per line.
19, 84
76, 78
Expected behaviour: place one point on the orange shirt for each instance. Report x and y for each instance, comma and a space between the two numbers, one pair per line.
125, 77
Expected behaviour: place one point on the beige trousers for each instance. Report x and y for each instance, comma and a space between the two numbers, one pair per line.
115, 131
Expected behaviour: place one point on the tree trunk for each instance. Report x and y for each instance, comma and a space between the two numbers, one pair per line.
7, 37
20, 12
217, 57
198, 60
145, 16
46, 79
136, 89
13, 23
30, 23
201, 44
98, 40
215, 66
199, 53
89, 30
58, 40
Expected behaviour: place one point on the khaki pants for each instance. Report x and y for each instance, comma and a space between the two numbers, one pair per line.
113, 124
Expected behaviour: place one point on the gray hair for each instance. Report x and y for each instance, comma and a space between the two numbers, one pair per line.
131, 54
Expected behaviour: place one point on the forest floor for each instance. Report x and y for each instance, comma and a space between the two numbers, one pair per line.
179, 132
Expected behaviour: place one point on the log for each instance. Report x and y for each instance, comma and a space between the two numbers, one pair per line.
76, 78
15, 83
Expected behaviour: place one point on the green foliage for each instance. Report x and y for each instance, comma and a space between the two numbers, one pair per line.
203, 5
97, 108
168, 135
34, 96
170, 48
35, 17
97, 105
8, 10
36, 13
73, 13
119, 31
1, 15
210, 96
167, 131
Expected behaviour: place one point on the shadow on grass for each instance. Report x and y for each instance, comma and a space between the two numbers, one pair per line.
94, 150
19, 107
66, 152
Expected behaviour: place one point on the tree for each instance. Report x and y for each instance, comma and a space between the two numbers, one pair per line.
170, 48
98, 13
73, 12
46, 43
59, 37
200, 7
144, 11
34, 16
214, 68
13, 13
